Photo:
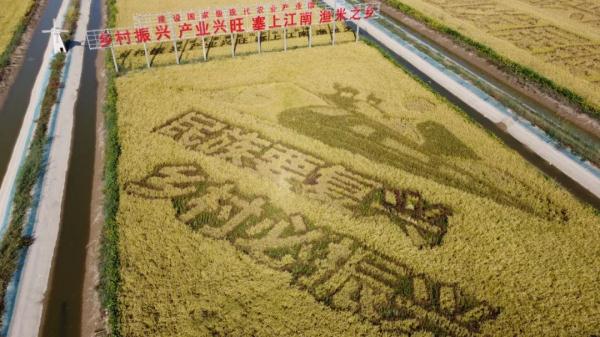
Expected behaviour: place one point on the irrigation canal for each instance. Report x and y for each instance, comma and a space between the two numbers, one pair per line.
64, 300
17, 100
62, 307
62, 317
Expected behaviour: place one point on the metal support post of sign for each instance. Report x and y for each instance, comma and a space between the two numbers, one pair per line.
285, 39
176, 51
146, 54
203, 48
334, 22
175, 43
112, 51
309, 36
232, 46
259, 34
333, 33
357, 30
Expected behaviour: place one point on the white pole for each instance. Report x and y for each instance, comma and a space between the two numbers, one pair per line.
146, 53
357, 30
112, 51
232, 46
174, 42
309, 36
203, 48
285, 39
176, 51
259, 34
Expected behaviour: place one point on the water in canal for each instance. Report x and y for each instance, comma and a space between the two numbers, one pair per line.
17, 100
64, 299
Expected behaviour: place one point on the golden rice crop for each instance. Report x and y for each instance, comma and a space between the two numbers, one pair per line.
558, 39
324, 192
10, 17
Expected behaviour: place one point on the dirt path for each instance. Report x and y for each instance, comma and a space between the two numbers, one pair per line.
32, 287
545, 99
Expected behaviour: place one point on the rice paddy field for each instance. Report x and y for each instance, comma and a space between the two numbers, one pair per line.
560, 39
218, 47
10, 17
324, 192
292, 194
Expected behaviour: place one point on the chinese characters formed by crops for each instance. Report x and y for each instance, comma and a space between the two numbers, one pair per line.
550, 42
425, 223
336, 269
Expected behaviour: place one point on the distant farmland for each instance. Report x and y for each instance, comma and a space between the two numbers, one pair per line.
324, 192
559, 39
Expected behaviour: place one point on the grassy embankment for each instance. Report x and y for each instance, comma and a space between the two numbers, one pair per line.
110, 263
14, 241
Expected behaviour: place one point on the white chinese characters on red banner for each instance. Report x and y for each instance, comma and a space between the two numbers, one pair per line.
196, 24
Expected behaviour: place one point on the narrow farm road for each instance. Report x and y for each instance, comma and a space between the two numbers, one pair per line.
31, 289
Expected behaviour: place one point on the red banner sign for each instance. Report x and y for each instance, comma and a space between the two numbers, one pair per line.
154, 28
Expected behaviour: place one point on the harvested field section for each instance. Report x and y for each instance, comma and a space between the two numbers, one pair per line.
324, 192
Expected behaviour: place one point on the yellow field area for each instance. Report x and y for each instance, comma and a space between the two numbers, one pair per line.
324, 192
10, 16
559, 39
220, 47
217, 47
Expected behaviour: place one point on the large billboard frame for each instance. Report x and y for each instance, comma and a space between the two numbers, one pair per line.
231, 20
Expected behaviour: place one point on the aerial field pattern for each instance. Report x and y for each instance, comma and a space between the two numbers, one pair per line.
324, 192
560, 39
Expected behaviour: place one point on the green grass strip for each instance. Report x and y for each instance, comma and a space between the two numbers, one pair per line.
500, 61
71, 19
14, 241
110, 278
17, 35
